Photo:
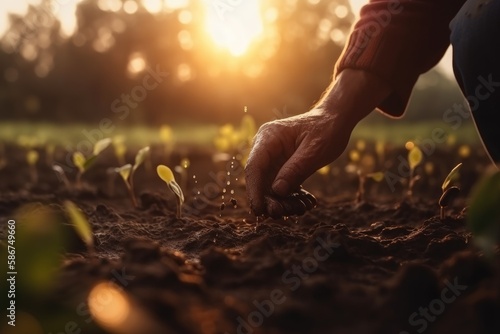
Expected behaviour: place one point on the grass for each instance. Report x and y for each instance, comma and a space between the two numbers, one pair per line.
399, 132
391, 131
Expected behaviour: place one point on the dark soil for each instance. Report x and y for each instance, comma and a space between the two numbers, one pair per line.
385, 265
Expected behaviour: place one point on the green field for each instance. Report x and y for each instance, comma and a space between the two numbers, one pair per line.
392, 131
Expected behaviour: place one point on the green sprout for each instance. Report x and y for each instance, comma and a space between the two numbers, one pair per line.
32, 158
376, 176
362, 165
415, 157
167, 139
61, 175
449, 192
483, 216
167, 176
127, 172
83, 164
81, 224
120, 149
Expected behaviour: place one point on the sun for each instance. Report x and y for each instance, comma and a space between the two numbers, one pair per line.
233, 24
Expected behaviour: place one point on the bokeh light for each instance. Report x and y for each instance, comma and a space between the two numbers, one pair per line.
108, 305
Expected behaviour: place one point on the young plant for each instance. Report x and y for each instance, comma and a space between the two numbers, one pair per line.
362, 165
167, 139
120, 149
449, 192
415, 157
81, 224
483, 216
376, 176
167, 176
32, 158
61, 176
83, 164
127, 172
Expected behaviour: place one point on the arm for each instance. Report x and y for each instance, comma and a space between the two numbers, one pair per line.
377, 69
287, 151
397, 41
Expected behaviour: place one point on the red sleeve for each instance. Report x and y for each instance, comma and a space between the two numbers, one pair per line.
398, 41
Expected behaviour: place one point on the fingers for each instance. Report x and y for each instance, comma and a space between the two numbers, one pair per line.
261, 169
294, 205
302, 164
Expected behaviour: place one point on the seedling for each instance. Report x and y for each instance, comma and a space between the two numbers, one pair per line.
236, 140
61, 175
415, 157
483, 216
120, 149
127, 172
32, 158
449, 193
167, 139
380, 150
362, 165
376, 176
81, 224
83, 164
167, 176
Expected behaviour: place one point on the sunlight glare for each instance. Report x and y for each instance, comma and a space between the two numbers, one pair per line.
356, 6
176, 4
233, 25
136, 63
153, 6
108, 305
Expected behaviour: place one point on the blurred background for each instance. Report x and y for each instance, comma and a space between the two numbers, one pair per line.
73, 61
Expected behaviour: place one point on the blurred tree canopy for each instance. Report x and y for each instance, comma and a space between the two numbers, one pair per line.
105, 68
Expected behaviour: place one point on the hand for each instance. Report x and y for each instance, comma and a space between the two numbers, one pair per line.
285, 153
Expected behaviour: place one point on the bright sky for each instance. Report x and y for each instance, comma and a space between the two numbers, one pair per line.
65, 10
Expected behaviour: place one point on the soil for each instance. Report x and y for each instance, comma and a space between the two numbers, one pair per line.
387, 264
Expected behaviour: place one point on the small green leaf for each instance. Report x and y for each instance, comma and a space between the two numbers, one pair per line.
483, 216
89, 162
448, 196
165, 173
377, 176
451, 176
166, 134
79, 161
124, 171
176, 189
101, 145
415, 157
80, 223
58, 169
140, 157
32, 157
248, 127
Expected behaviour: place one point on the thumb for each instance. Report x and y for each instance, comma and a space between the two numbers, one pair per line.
302, 164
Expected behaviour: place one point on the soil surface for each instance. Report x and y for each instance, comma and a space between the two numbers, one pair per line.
386, 264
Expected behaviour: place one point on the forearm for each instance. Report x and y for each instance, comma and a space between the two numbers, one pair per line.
397, 40
353, 95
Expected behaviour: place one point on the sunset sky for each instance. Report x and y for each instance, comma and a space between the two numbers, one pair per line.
65, 10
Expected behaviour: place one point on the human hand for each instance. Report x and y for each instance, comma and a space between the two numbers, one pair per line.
285, 153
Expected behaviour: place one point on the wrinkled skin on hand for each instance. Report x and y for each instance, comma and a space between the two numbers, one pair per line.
285, 153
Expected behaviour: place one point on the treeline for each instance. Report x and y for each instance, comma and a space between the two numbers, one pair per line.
162, 68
